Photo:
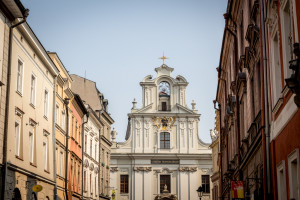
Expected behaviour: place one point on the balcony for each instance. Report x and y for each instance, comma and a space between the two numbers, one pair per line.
164, 108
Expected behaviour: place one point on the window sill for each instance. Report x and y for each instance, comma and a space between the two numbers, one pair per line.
18, 157
32, 164
32, 105
46, 171
19, 93
46, 117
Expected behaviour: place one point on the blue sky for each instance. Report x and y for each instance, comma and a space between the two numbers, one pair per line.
118, 42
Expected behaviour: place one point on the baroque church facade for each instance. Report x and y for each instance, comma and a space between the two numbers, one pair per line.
163, 156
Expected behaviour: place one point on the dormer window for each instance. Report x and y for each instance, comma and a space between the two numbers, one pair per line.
164, 96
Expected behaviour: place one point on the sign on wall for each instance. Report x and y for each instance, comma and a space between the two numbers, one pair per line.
237, 190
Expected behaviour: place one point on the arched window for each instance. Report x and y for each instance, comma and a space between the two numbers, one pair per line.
164, 96
165, 140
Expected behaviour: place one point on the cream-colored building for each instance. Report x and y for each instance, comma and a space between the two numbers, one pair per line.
163, 156
97, 142
9, 12
30, 118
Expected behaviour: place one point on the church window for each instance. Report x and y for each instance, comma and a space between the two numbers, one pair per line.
205, 184
124, 184
164, 96
165, 140
165, 183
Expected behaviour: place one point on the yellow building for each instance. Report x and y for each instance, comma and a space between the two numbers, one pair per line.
63, 91
30, 120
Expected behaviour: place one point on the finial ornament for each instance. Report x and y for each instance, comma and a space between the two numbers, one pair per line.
163, 58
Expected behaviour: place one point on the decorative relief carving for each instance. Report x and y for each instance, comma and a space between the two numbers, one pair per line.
187, 169
167, 170
114, 169
142, 169
164, 123
205, 170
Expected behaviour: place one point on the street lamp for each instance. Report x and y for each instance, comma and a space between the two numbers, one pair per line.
200, 192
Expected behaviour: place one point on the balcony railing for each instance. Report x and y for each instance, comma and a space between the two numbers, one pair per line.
164, 108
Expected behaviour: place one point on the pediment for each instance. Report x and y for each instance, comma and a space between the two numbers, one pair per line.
183, 109
145, 109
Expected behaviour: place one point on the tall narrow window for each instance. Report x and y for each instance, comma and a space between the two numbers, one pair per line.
46, 103
165, 181
91, 147
124, 184
18, 137
20, 77
85, 143
63, 123
32, 89
91, 187
286, 31
276, 70
84, 180
294, 170
31, 146
76, 129
56, 158
61, 170
205, 184
72, 127
95, 151
165, 140
78, 174
79, 135
45, 154
281, 186
57, 114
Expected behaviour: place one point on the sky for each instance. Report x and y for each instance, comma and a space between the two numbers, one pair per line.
116, 43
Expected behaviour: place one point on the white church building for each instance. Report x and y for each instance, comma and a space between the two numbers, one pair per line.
163, 156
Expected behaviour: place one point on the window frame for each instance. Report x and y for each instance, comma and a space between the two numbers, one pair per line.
281, 167
205, 185
31, 145
18, 136
33, 90
161, 188
291, 158
20, 76
165, 140
124, 184
46, 103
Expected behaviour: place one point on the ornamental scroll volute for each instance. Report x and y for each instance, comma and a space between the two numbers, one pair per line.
164, 123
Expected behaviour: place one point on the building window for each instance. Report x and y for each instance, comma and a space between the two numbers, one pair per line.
61, 170
78, 173
281, 186
76, 129
165, 180
294, 175
85, 143
45, 154
91, 147
123, 184
286, 31
79, 135
56, 157
165, 140
84, 180
63, 123
20, 77
205, 184
46, 103
31, 146
18, 137
32, 90
276, 69
72, 127
57, 114
91, 184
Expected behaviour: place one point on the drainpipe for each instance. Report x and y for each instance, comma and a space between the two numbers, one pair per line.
26, 13
66, 102
82, 152
54, 138
265, 113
